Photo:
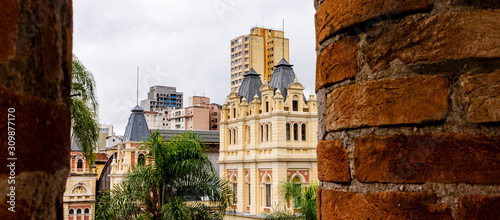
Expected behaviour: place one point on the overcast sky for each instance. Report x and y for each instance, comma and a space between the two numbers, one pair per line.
181, 43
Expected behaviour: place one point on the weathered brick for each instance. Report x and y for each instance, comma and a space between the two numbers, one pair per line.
478, 207
406, 100
318, 203
455, 35
335, 15
481, 95
443, 158
382, 205
8, 29
336, 62
333, 161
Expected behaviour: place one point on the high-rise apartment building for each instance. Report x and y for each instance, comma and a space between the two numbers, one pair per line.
200, 115
261, 50
162, 98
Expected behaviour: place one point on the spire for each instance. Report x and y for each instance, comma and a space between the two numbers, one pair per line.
137, 128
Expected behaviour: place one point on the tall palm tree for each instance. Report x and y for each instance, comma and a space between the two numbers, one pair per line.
171, 187
85, 128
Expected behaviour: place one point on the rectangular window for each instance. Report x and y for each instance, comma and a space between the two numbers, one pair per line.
268, 195
249, 195
295, 105
235, 189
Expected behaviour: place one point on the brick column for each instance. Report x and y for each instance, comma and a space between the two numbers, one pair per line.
35, 79
409, 109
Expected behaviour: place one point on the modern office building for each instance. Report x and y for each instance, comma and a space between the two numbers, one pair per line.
268, 134
162, 98
261, 50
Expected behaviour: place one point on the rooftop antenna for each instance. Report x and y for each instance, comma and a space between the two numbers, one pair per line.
283, 38
137, 98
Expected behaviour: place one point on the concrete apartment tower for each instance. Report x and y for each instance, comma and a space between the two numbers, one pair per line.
261, 50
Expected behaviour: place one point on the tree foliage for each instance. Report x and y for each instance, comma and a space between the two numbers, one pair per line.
84, 124
172, 186
303, 198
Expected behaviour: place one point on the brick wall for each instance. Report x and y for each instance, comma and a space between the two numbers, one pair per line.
35, 78
409, 97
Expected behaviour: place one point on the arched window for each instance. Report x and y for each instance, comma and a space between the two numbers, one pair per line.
140, 160
87, 211
296, 183
234, 112
79, 211
261, 133
71, 211
230, 132
303, 130
235, 137
267, 106
267, 132
295, 132
268, 191
79, 164
295, 104
248, 134
234, 180
270, 132
287, 131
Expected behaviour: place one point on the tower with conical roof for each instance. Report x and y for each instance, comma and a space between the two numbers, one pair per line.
137, 128
128, 151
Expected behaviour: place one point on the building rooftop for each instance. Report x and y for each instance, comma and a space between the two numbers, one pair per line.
208, 136
251, 85
283, 76
101, 157
137, 128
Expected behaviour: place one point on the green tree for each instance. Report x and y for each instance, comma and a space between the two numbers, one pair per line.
170, 187
85, 128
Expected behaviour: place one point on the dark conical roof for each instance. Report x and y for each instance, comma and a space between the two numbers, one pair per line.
250, 86
137, 128
283, 76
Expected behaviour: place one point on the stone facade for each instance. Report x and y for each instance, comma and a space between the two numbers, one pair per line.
80, 194
409, 109
265, 141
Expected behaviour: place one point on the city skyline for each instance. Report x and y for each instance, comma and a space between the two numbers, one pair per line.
178, 44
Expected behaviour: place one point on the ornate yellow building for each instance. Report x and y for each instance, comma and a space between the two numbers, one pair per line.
267, 135
80, 195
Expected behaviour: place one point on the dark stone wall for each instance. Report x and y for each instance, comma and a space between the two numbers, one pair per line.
35, 81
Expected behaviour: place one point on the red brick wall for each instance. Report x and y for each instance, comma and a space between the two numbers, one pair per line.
409, 109
35, 79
